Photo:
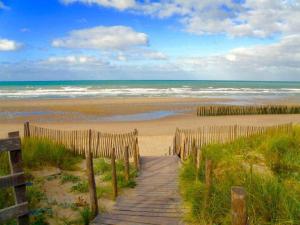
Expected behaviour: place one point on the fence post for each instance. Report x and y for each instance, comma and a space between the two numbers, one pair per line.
126, 162
91, 178
15, 161
194, 152
181, 147
26, 129
238, 206
136, 152
114, 174
174, 144
235, 132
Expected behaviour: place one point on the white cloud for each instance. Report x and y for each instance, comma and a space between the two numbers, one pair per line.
140, 55
278, 61
258, 18
72, 59
155, 55
83, 63
106, 38
121, 57
275, 61
118, 4
9, 45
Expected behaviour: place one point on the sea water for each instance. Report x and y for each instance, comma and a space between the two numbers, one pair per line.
142, 88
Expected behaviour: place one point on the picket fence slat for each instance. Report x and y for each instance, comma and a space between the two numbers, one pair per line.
78, 141
183, 138
221, 110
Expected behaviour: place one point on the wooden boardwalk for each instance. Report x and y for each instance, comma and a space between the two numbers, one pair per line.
155, 200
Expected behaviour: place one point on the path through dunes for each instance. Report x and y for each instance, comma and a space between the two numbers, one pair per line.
155, 200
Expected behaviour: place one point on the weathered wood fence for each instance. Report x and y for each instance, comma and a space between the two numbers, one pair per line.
79, 141
184, 139
16, 179
219, 110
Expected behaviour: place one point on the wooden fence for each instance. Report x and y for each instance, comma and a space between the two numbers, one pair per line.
219, 110
184, 139
16, 179
79, 141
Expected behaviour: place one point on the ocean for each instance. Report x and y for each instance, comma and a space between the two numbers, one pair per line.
142, 88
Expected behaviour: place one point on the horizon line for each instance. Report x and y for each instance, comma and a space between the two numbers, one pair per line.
10, 81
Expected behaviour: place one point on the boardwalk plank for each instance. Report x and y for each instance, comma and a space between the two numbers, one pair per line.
154, 201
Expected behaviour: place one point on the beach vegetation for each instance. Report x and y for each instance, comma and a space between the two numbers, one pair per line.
80, 187
86, 215
267, 166
66, 177
103, 168
39, 152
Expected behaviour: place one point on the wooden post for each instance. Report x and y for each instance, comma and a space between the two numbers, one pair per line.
174, 143
238, 206
181, 153
194, 153
91, 178
235, 132
126, 162
26, 129
114, 173
181, 147
136, 154
15, 161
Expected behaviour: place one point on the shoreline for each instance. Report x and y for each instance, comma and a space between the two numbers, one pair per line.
155, 136
119, 106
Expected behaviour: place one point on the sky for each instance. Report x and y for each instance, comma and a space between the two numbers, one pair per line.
149, 39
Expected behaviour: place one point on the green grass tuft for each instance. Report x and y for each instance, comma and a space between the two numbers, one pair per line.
267, 166
40, 152
86, 215
103, 167
66, 177
80, 187
104, 191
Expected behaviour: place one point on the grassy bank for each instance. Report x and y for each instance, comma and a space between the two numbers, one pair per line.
42, 154
267, 166
36, 154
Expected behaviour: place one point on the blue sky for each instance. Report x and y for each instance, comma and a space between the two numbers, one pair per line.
130, 39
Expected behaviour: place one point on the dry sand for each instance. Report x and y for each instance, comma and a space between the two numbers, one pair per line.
155, 136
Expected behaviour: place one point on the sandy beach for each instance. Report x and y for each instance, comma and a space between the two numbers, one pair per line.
155, 118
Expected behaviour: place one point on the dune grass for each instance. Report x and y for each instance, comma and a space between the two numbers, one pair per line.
43, 152
267, 166
103, 168
6, 195
38, 153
